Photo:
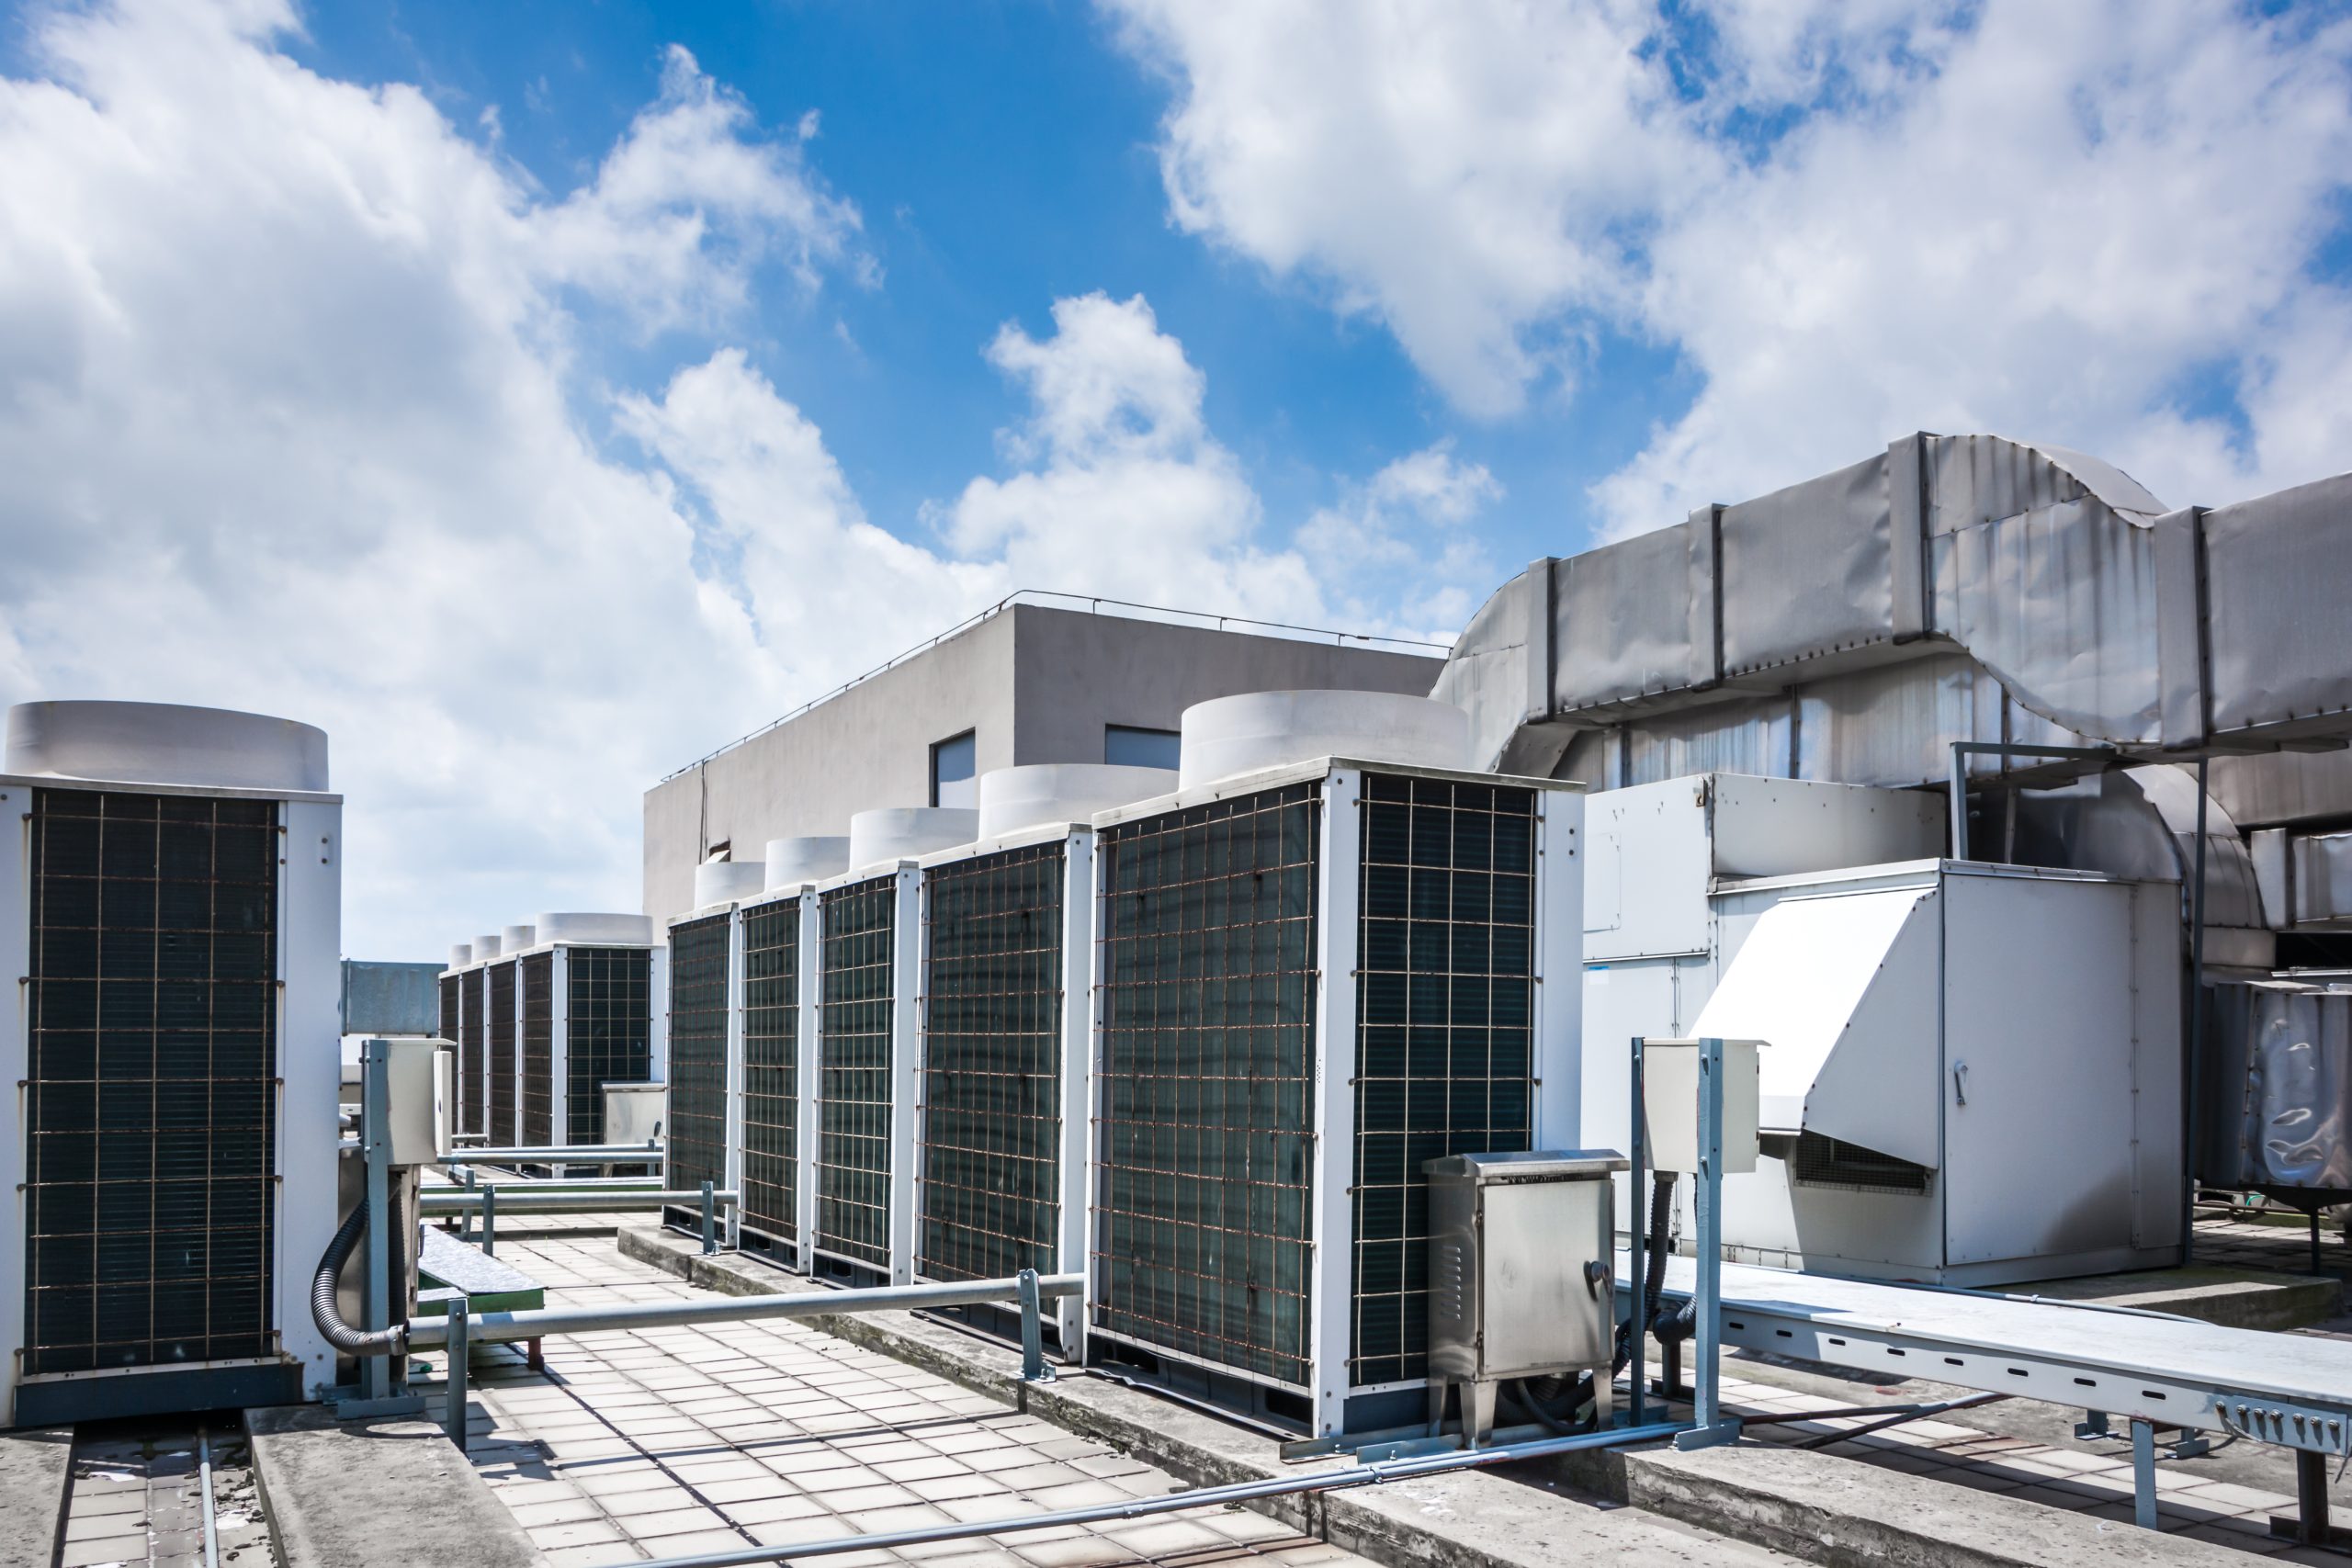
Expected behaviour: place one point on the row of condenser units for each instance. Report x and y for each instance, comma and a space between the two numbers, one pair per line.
1197, 1046
546, 1017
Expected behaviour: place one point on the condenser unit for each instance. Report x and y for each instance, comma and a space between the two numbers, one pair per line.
1313, 977
702, 1030
862, 1101
774, 1136
590, 1012
173, 904
466, 990
1007, 927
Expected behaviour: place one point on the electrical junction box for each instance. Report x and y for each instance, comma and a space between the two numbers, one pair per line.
1670, 1094
1520, 1256
420, 1084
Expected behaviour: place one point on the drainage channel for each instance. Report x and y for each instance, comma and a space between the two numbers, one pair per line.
138, 1496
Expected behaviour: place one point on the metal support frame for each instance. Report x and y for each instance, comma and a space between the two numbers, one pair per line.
382, 1387
1638, 1316
2004, 750
1709, 1426
709, 1222
2192, 1065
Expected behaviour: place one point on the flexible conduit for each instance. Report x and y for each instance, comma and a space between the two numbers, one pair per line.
328, 1315
1177, 1501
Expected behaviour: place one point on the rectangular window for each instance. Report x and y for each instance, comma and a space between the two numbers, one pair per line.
1125, 746
952, 772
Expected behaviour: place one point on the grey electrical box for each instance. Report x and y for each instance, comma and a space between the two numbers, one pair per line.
1519, 1253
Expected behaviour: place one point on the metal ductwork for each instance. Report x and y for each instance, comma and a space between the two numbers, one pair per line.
1953, 588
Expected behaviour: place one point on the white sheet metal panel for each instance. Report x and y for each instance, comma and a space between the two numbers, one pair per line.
2039, 1053
1842, 990
1645, 875
1766, 827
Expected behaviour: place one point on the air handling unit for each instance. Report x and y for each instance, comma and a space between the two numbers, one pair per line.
172, 902
590, 1011
862, 1101
774, 1135
704, 1030
1320, 965
1970, 1074
1002, 1119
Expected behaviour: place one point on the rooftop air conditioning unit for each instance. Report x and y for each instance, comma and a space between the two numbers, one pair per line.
590, 1012
1007, 953
703, 1032
774, 1129
172, 902
1314, 974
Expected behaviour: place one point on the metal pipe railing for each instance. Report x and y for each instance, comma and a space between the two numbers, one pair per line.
584, 1154
461, 1328
484, 1200
1373, 1474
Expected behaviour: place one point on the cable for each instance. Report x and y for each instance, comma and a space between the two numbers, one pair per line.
326, 1312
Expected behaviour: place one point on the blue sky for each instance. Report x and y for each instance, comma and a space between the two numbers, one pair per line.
535, 397
1004, 156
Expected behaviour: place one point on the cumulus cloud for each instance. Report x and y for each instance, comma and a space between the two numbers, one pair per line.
2094, 224
291, 422
1121, 486
1398, 545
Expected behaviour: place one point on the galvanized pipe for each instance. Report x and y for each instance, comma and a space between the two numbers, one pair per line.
586, 1154
497, 1327
1178, 1502
512, 1201
204, 1484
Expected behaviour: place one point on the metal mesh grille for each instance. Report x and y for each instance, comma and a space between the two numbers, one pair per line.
151, 1094
470, 1068
992, 1062
449, 1007
854, 1077
1817, 1161
1205, 1135
537, 1029
697, 1131
608, 1030
772, 1069
1444, 1003
500, 1034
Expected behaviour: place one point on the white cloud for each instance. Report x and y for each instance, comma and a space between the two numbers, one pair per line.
1398, 548
1851, 218
1128, 494
290, 423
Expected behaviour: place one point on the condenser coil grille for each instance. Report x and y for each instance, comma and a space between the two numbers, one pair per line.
150, 1097
1205, 1145
854, 1082
697, 1130
608, 1030
449, 1007
992, 1065
502, 1052
772, 1069
1818, 1161
469, 1051
1444, 1009
536, 1046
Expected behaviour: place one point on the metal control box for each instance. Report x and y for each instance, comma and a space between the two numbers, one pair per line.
1520, 1256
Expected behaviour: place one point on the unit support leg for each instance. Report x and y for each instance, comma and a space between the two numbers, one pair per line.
2144, 1473
2310, 1525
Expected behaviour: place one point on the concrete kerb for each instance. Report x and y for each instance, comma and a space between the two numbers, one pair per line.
382, 1494
36, 1477
1755, 1504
